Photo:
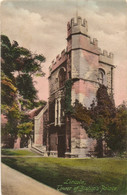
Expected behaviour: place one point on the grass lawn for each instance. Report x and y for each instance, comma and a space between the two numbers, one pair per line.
17, 152
74, 176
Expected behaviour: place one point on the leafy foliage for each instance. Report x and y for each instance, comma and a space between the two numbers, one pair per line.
117, 135
25, 128
18, 67
103, 122
82, 114
26, 87
68, 86
8, 93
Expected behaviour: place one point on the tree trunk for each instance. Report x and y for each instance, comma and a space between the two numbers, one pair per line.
99, 148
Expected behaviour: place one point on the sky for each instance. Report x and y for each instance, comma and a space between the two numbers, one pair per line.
41, 26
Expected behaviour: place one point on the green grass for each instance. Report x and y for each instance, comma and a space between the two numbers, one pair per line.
12, 152
93, 172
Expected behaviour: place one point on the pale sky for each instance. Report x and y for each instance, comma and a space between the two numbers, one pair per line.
41, 27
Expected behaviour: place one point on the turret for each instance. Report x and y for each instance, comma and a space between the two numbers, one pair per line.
78, 37
77, 26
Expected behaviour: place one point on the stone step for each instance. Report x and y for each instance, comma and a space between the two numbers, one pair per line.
37, 150
42, 148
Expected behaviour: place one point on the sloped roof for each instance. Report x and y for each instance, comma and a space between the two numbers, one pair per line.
35, 111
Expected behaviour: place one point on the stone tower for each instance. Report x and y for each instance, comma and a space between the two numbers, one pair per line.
83, 63
88, 64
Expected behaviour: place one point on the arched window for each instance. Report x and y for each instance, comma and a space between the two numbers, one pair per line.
101, 76
62, 77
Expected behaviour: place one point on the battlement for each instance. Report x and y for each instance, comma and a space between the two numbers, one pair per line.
94, 41
77, 25
79, 22
106, 57
60, 58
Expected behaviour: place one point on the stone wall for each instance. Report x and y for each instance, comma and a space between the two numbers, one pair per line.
54, 78
84, 92
39, 127
81, 144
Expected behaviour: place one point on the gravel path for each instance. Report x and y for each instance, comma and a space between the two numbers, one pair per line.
16, 183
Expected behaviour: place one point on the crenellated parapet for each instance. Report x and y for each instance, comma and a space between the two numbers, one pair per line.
77, 25
58, 61
94, 41
79, 22
106, 57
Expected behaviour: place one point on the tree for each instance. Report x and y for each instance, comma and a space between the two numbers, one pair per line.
102, 114
117, 135
9, 108
19, 66
8, 93
97, 119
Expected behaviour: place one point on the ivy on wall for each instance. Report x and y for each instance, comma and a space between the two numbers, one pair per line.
68, 106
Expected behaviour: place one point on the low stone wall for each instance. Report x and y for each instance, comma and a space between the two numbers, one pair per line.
53, 154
